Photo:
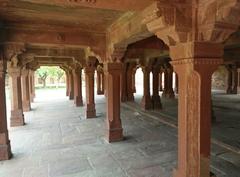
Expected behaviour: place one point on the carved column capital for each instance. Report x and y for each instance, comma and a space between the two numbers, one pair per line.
11, 49
113, 68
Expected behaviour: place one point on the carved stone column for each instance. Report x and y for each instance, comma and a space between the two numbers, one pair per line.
71, 85
31, 73
146, 102
238, 88
130, 92
194, 64
114, 125
100, 83
90, 102
124, 83
133, 80
176, 83
5, 147
160, 81
168, 83
77, 73
26, 103
235, 79
156, 97
229, 80
17, 117
67, 84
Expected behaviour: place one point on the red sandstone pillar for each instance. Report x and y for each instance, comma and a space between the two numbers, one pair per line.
146, 102
17, 117
160, 81
130, 93
133, 81
100, 83
124, 83
103, 84
71, 86
5, 147
229, 80
176, 83
168, 83
194, 64
114, 125
67, 83
26, 103
235, 80
31, 85
90, 102
156, 97
238, 87
77, 73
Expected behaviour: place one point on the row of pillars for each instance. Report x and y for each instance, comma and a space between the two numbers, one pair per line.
233, 84
22, 86
74, 88
22, 94
128, 87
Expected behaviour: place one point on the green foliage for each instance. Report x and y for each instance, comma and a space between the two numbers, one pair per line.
44, 71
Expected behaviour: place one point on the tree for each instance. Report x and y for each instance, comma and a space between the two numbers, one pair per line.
43, 73
60, 74
54, 72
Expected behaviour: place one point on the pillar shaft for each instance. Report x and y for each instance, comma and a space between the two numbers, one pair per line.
238, 87
235, 79
67, 83
90, 102
100, 83
114, 125
5, 147
17, 118
229, 80
194, 107
146, 100
160, 82
130, 92
77, 73
133, 81
31, 73
168, 83
156, 97
124, 83
26, 102
71, 85
176, 83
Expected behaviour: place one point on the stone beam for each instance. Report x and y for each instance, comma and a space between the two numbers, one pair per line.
123, 5
96, 42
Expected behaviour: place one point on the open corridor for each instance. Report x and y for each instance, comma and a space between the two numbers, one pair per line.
57, 141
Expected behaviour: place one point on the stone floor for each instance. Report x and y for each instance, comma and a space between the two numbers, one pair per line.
226, 129
58, 142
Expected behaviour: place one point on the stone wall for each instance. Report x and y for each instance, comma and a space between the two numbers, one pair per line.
219, 78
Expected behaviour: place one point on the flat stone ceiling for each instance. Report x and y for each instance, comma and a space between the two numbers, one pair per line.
47, 14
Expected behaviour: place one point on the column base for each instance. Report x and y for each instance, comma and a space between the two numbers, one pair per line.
130, 98
156, 100
229, 90
177, 173
71, 96
169, 94
26, 106
78, 101
114, 135
99, 92
17, 118
5, 147
146, 103
234, 90
90, 111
